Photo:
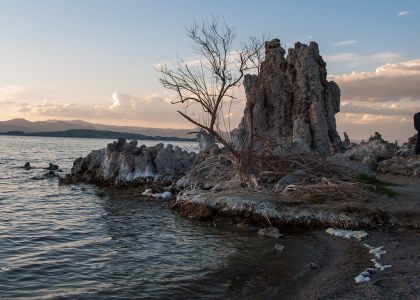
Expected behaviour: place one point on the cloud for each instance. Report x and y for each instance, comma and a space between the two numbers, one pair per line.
388, 83
153, 110
353, 59
6, 101
403, 13
384, 110
22, 93
344, 43
383, 100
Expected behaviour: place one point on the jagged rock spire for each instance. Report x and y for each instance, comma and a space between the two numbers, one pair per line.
291, 102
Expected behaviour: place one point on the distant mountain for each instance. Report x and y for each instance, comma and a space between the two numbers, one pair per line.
58, 125
98, 134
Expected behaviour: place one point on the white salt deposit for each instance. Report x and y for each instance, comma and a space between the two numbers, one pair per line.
164, 195
348, 234
377, 252
361, 279
379, 266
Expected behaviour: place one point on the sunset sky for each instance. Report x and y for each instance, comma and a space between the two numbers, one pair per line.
94, 60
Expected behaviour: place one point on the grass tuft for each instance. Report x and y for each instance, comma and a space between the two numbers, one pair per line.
381, 187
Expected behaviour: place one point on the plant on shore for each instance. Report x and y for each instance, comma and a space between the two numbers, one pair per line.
378, 185
207, 87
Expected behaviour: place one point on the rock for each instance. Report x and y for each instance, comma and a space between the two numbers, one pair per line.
291, 103
346, 140
50, 174
206, 142
416, 120
271, 232
285, 181
408, 148
357, 167
406, 166
372, 152
52, 167
296, 177
122, 164
279, 247
27, 166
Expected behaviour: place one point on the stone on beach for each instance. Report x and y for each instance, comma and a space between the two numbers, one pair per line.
270, 232
279, 247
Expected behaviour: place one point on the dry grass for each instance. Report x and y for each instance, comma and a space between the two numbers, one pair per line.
322, 180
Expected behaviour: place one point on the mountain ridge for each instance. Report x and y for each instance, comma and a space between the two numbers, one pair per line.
20, 124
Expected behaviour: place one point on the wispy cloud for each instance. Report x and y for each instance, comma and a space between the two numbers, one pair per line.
404, 13
353, 59
6, 101
345, 43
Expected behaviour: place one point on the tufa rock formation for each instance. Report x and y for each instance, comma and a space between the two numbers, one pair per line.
291, 102
369, 153
122, 164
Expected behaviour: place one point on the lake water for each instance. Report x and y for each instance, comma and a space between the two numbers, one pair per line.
86, 242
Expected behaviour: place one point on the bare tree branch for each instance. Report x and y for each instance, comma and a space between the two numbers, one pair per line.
211, 83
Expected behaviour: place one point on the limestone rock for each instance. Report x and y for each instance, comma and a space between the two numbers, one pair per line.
296, 177
291, 102
372, 152
279, 247
206, 142
271, 232
406, 166
408, 148
122, 163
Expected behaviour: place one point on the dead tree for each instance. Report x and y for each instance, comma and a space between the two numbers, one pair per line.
210, 82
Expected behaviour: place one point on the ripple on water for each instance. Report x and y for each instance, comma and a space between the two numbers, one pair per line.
59, 242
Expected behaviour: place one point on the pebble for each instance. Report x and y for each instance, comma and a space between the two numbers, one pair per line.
279, 247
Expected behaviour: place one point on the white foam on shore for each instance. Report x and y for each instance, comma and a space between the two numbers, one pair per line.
348, 234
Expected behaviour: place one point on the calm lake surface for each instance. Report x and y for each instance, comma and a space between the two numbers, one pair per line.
86, 242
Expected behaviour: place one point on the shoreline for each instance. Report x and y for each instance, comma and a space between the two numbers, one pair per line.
340, 260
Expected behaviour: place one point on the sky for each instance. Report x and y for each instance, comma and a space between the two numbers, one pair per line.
96, 60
